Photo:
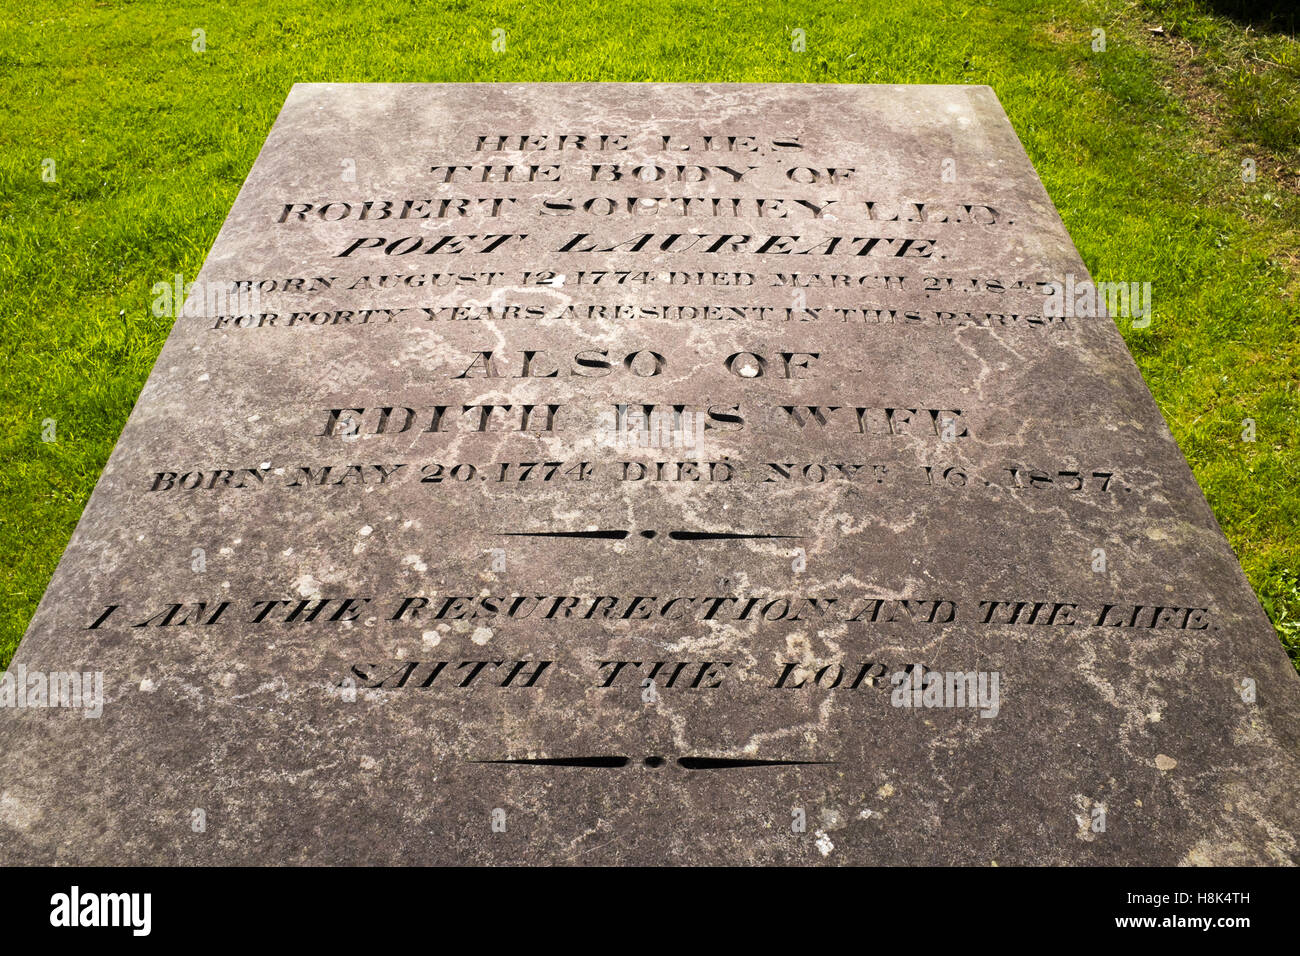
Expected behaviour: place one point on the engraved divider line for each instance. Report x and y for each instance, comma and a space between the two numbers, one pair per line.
620, 535
614, 761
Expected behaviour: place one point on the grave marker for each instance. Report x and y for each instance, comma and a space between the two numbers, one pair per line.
579, 473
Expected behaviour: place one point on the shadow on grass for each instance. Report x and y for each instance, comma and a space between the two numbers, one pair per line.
1273, 16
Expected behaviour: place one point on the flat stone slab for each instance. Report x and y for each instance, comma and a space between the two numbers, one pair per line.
595, 473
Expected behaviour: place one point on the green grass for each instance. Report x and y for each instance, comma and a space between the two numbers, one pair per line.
1140, 147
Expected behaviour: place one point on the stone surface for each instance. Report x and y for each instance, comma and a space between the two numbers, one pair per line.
888, 454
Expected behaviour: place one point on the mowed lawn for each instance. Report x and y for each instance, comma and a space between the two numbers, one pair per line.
1140, 144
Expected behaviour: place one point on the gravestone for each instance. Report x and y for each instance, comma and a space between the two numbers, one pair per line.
579, 473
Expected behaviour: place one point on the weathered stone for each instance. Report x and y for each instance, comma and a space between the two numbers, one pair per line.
581, 473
